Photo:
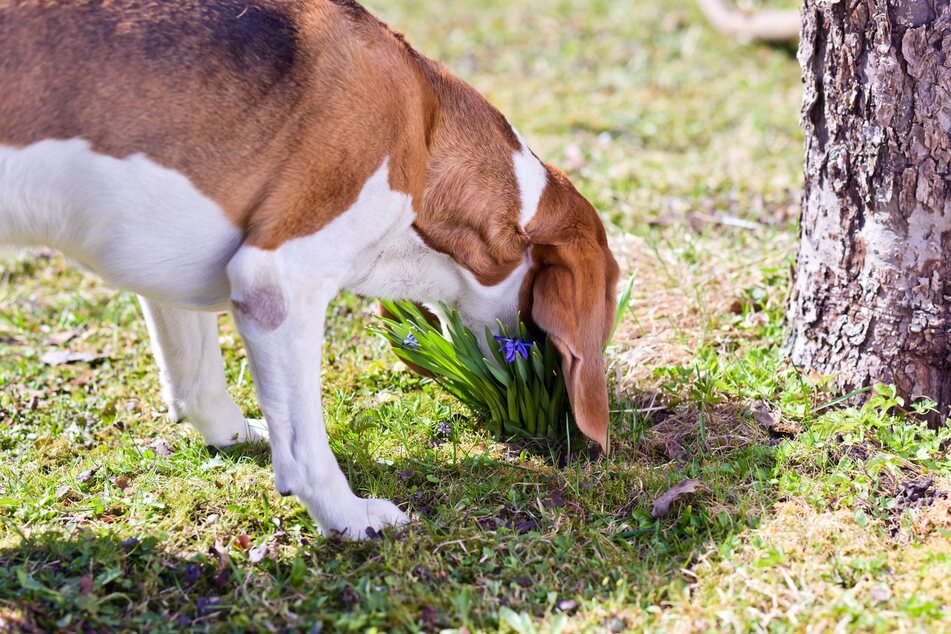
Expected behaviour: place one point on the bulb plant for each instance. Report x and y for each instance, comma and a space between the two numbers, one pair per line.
518, 391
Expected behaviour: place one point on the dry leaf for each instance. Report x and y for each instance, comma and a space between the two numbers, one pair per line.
242, 542
162, 448
786, 429
60, 338
63, 357
556, 499
763, 415
85, 476
663, 503
674, 449
772, 420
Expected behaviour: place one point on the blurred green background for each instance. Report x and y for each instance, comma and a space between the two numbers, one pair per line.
649, 110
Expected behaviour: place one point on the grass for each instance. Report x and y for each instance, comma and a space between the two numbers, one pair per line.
822, 518
515, 390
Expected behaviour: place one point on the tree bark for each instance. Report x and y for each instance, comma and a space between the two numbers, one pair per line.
871, 298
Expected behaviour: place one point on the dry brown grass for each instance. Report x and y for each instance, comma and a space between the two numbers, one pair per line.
937, 516
830, 568
686, 284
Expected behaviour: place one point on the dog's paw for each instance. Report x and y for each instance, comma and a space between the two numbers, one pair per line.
257, 431
251, 431
366, 520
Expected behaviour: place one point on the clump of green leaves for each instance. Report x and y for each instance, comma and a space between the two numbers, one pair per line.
520, 391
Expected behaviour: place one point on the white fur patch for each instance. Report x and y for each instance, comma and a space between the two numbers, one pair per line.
185, 345
532, 180
406, 268
142, 227
286, 358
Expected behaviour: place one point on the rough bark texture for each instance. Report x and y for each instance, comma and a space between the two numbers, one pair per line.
871, 299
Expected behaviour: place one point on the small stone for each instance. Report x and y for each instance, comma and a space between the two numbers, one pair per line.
567, 605
881, 594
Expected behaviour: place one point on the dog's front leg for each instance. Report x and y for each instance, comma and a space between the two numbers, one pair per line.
279, 307
185, 345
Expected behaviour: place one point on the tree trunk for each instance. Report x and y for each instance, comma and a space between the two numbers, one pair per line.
871, 299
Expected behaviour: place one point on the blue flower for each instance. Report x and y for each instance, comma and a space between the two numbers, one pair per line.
411, 343
512, 347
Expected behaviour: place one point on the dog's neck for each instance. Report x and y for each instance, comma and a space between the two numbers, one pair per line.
476, 186
471, 203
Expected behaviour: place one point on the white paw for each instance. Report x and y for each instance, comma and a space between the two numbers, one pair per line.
257, 431
250, 431
364, 520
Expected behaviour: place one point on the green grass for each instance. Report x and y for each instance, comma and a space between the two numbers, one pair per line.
113, 518
512, 398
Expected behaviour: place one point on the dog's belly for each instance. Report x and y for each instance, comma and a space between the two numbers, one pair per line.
142, 227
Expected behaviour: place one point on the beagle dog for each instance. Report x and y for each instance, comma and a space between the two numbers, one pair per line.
259, 156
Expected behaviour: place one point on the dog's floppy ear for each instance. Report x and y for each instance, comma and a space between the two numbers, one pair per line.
572, 295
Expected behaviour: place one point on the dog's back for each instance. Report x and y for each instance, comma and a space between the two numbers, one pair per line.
238, 106
210, 89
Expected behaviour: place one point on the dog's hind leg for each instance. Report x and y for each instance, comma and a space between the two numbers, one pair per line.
185, 345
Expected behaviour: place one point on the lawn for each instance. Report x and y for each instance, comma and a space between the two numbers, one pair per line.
809, 515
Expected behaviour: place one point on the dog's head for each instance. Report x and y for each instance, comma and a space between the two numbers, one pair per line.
569, 294
530, 246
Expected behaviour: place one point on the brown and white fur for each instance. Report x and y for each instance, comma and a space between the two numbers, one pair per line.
261, 155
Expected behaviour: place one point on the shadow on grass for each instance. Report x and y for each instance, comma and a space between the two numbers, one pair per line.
94, 581
531, 537
492, 531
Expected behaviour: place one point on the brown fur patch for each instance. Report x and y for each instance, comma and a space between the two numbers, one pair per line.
205, 88
471, 201
278, 110
570, 294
